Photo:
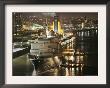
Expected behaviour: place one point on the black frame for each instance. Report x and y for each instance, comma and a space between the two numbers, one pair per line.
2, 42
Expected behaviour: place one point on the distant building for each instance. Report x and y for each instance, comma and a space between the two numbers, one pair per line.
17, 22
55, 24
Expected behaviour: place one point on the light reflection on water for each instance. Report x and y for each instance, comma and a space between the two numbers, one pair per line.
69, 65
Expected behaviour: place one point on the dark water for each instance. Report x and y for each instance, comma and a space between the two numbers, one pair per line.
79, 57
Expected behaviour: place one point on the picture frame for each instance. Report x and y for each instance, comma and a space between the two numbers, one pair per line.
2, 44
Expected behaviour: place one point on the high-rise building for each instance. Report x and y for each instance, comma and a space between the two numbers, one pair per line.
17, 22
55, 24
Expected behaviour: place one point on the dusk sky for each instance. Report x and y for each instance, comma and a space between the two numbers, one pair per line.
62, 14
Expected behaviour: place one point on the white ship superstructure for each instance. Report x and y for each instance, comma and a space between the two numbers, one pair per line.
43, 47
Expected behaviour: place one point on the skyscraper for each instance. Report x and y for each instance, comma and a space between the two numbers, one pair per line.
55, 24
17, 22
